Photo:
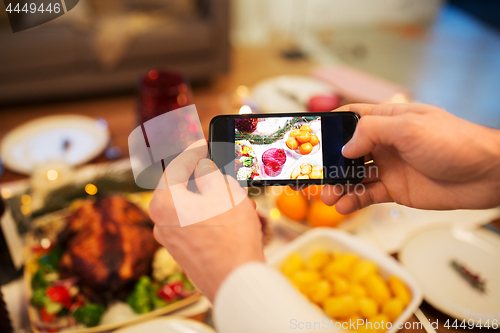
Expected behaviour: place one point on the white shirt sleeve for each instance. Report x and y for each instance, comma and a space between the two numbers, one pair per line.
256, 298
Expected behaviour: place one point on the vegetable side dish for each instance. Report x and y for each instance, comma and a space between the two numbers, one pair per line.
348, 288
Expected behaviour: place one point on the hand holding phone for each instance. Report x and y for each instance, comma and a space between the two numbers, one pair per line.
424, 157
286, 148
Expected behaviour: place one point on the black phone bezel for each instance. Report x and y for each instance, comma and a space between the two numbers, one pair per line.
218, 132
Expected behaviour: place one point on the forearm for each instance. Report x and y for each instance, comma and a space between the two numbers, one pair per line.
256, 298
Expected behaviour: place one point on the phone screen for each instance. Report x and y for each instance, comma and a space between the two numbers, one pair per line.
284, 149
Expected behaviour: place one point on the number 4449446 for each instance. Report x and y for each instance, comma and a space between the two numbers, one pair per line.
470, 324
33, 8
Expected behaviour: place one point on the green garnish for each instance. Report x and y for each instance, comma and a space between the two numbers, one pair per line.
39, 298
90, 314
139, 299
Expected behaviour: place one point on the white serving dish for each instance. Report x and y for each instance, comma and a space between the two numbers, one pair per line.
329, 239
170, 325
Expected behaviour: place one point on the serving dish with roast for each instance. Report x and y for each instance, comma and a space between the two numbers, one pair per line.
102, 264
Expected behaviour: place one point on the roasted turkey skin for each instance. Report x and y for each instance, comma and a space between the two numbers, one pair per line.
108, 244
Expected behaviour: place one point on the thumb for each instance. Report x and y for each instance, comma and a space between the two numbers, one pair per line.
370, 132
211, 181
207, 176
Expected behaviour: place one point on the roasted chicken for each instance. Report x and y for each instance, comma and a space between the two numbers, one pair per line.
108, 244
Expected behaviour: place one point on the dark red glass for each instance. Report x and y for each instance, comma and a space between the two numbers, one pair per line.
273, 159
161, 91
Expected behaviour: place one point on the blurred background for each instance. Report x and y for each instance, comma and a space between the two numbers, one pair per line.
74, 88
444, 52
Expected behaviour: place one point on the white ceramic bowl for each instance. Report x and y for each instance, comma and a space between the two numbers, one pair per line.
329, 239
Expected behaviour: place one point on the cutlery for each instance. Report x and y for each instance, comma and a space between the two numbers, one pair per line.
425, 322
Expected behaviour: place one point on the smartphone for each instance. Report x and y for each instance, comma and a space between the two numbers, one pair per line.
285, 148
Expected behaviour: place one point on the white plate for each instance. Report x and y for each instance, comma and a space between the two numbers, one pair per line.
168, 325
42, 140
393, 224
274, 95
427, 256
329, 240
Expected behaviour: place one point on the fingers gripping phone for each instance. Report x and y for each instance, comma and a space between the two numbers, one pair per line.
285, 148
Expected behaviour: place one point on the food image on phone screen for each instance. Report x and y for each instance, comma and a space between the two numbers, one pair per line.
278, 148
285, 148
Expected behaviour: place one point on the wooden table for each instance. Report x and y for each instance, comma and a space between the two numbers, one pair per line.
249, 66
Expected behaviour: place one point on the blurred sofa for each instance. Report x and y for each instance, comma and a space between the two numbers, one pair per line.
96, 49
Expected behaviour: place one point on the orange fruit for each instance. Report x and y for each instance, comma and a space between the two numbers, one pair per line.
314, 140
305, 148
294, 133
321, 215
292, 143
303, 136
306, 128
313, 191
292, 204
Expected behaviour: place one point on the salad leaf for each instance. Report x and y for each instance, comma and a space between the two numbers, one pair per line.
39, 298
144, 297
50, 262
38, 281
187, 285
247, 161
140, 299
52, 307
156, 301
175, 277
90, 314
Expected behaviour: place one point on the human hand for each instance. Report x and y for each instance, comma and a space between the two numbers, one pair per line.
209, 250
426, 158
